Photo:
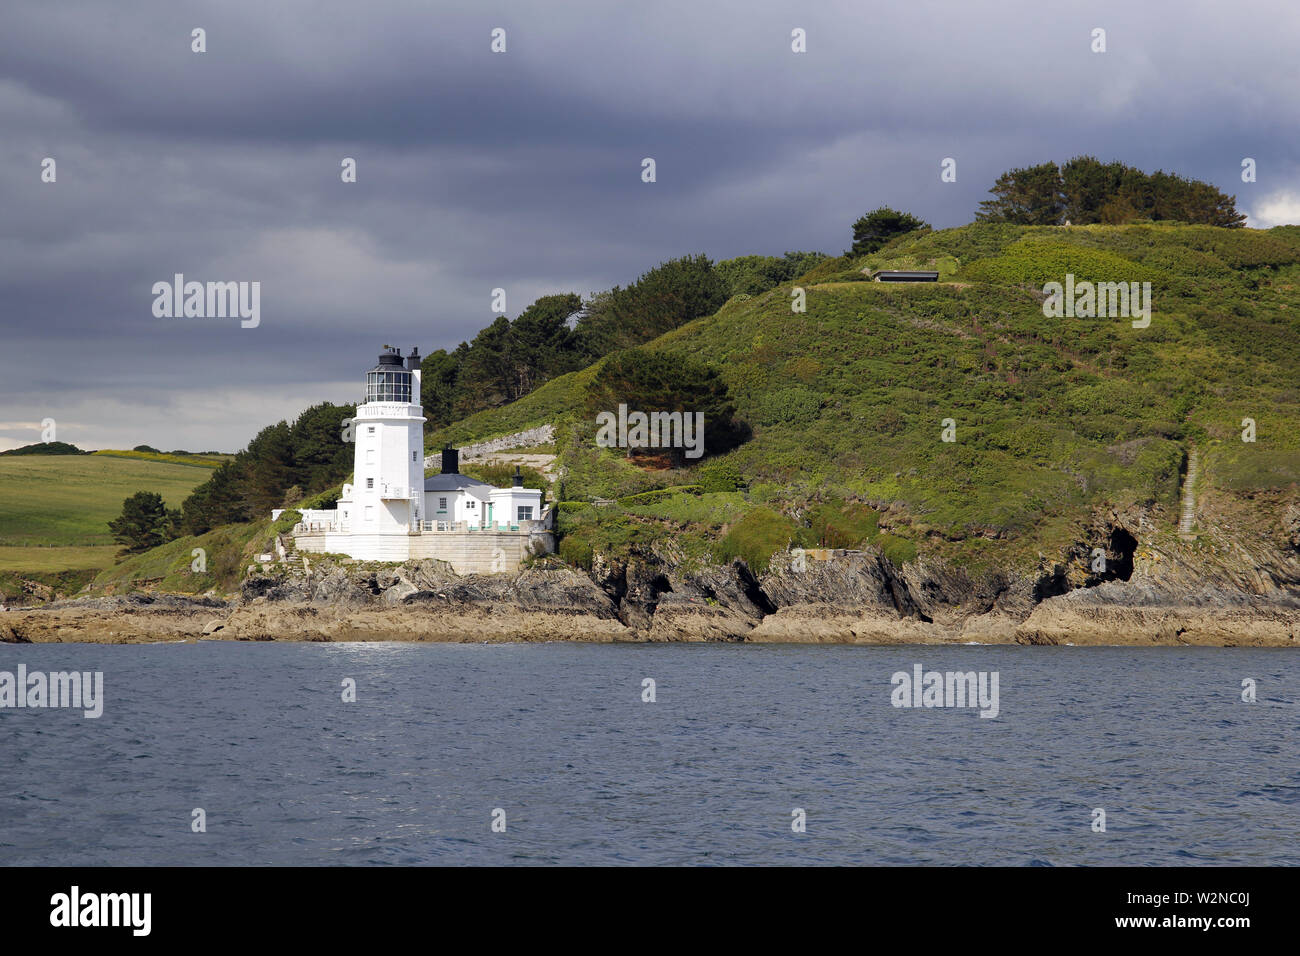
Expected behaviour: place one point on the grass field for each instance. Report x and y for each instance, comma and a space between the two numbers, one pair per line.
57, 508
52, 560
203, 461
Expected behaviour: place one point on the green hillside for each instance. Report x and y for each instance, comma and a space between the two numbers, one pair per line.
55, 510
1054, 417
1059, 422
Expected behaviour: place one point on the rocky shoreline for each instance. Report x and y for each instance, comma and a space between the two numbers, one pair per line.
830, 597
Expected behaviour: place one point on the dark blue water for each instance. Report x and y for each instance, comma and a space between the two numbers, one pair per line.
558, 737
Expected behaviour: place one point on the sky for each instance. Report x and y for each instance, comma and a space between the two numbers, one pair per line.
522, 170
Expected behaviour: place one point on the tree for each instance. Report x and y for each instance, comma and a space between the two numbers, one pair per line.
1085, 191
504, 362
144, 523
669, 295
1028, 197
1088, 186
215, 502
648, 382
541, 345
46, 448
439, 371
320, 455
879, 226
484, 376
310, 454
754, 275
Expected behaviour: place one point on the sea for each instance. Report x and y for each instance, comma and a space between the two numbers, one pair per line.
406, 753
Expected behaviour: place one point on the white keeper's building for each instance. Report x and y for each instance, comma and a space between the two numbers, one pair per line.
391, 512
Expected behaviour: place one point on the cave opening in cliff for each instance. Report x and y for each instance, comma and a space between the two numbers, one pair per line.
1051, 585
1122, 548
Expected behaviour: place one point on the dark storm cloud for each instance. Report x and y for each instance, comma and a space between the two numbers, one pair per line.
522, 170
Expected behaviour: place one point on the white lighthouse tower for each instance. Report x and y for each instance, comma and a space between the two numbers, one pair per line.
390, 512
387, 488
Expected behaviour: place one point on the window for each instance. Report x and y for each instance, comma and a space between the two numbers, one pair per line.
525, 513
370, 430
442, 504
412, 456
370, 482
388, 386
470, 504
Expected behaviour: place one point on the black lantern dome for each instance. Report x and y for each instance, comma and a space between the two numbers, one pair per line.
389, 381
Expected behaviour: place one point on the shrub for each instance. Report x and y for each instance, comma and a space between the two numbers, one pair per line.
284, 524
658, 495
575, 551
840, 525
788, 406
719, 475
756, 537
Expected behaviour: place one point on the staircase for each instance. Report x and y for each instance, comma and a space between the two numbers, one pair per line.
288, 554
1188, 515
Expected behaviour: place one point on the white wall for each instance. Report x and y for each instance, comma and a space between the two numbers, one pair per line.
507, 501
482, 552
388, 466
458, 507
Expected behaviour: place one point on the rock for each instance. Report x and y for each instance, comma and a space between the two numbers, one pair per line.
1224, 588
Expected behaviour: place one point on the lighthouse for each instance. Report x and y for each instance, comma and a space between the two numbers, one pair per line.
390, 511
388, 473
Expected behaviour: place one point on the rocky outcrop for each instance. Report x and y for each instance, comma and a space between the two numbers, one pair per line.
129, 619
1121, 581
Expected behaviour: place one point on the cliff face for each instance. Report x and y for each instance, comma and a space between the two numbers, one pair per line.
1151, 588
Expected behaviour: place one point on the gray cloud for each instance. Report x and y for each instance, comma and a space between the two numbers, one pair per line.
522, 170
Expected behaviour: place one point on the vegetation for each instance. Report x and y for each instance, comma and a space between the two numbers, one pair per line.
67, 502
46, 448
504, 362
666, 297
845, 406
145, 522
1084, 191
1053, 418
508, 360
54, 513
880, 226
224, 554
754, 275
650, 382
206, 460
756, 537
279, 466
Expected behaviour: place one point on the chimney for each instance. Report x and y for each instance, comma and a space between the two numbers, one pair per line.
413, 360
450, 461
519, 479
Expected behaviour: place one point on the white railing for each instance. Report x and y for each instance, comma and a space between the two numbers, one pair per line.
421, 526
311, 527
